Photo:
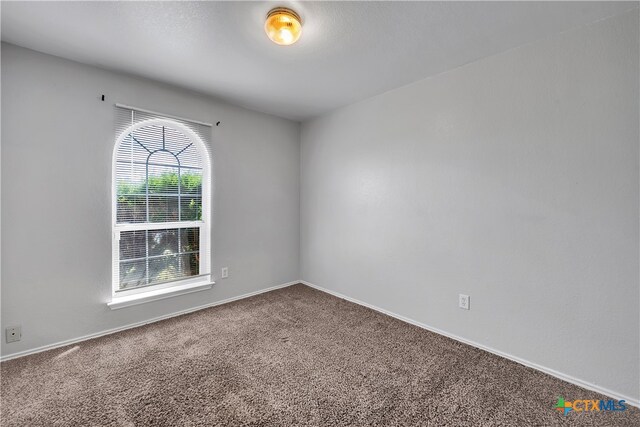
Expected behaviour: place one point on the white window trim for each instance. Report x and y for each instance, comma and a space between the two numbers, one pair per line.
121, 299
155, 294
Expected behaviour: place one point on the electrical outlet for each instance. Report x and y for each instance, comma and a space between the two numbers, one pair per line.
463, 301
13, 333
225, 272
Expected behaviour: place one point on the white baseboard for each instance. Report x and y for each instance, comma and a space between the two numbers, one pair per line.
568, 378
142, 323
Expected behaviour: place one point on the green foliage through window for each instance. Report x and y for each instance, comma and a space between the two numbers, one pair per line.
165, 202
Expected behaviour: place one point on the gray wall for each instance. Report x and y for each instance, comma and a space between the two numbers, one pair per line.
57, 142
513, 179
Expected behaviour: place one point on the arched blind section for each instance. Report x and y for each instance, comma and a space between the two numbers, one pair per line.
161, 207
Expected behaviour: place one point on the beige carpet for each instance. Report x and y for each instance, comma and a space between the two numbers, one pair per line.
294, 356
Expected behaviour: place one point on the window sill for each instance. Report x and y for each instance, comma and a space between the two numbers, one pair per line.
158, 294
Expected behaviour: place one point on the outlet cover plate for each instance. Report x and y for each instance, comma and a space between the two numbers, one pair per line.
13, 333
463, 301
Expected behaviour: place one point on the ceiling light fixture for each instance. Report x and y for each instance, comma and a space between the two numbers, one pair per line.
283, 26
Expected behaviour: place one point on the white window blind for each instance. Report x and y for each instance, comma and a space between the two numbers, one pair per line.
161, 198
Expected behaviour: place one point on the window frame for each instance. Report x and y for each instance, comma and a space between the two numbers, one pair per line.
204, 224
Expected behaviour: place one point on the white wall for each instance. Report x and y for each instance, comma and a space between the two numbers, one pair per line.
513, 179
57, 142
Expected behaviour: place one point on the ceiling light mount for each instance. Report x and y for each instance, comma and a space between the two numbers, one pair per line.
283, 26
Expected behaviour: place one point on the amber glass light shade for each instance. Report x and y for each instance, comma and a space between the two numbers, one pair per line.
283, 26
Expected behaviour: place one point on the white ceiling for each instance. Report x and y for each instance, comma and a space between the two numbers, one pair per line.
348, 50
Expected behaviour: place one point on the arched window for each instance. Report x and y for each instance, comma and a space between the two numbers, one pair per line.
161, 196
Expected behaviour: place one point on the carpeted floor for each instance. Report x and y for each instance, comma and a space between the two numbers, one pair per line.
291, 357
